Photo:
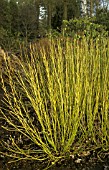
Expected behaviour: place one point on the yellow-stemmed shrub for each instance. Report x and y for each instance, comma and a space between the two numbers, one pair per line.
57, 99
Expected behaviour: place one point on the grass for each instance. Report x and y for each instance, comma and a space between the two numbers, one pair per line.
57, 99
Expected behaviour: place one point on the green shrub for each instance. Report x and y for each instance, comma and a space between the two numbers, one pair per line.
83, 26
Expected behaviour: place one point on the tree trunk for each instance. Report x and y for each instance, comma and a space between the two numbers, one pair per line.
97, 5
65, 10
91, 8
49, 15
37, 13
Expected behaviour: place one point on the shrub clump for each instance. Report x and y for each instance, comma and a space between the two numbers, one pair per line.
56, 100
